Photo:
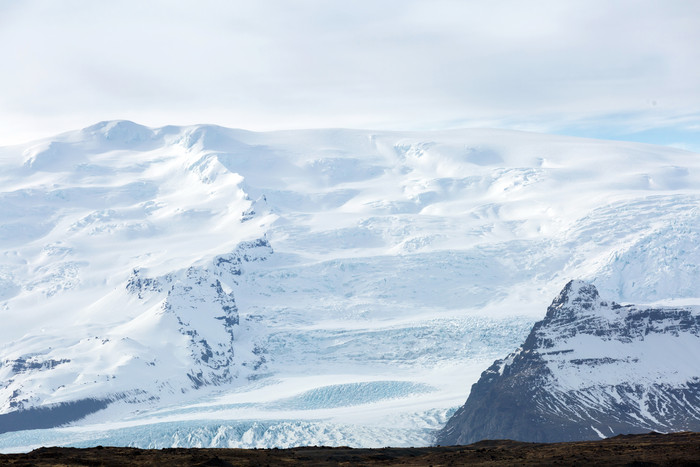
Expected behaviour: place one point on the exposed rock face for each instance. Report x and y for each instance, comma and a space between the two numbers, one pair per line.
193, 341
590, 369
195, 298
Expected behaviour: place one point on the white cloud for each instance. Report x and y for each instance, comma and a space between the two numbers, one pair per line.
384, 64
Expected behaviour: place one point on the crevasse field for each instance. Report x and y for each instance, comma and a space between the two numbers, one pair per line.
366, 278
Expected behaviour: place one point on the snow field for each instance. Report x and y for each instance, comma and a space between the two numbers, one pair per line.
413, 259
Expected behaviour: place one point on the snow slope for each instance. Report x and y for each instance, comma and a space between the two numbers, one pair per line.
348, 284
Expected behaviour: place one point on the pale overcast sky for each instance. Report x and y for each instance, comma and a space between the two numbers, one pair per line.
626, 69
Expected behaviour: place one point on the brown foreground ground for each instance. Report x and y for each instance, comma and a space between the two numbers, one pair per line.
632, 450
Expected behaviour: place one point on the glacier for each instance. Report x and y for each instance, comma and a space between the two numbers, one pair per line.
221, 287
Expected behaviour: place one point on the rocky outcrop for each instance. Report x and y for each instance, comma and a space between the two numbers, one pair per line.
205, 312
195, 323
590, 369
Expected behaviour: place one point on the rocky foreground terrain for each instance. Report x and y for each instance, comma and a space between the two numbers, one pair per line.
639, 450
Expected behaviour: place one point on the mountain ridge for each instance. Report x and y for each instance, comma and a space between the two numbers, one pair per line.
419, 255
590, 369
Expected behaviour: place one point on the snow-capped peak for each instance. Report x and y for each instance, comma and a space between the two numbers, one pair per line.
589, 370
576, 296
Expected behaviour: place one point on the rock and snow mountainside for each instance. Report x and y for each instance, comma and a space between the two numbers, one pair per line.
590, 369
203, 286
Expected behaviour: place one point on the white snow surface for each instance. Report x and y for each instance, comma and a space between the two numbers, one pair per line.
400, 265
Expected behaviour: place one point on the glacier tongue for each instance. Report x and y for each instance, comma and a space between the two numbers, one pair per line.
137, 266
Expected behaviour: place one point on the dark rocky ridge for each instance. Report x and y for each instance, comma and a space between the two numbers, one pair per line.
527, 397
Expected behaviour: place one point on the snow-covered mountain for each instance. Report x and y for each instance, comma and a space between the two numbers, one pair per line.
210, 286
590, 369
